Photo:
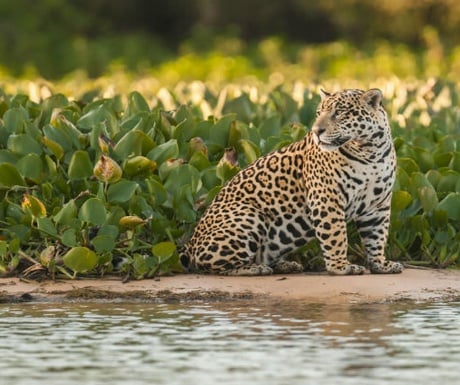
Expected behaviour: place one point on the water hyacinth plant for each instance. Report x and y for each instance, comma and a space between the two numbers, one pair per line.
99, 185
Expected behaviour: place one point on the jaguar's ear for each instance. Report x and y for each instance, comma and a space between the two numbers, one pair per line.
373, 97
324, 94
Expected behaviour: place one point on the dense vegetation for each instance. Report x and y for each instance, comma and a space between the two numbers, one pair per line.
103, 180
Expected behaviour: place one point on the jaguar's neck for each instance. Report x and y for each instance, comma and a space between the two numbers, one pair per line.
377, 150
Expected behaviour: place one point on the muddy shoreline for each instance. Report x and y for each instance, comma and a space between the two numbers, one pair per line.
423, 285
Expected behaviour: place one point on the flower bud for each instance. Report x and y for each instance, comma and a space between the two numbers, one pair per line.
33, 206
107, 170
139, 165
131, 221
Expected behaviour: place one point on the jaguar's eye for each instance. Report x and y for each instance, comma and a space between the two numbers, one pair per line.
337, 114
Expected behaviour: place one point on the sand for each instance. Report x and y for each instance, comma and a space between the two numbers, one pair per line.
411, 285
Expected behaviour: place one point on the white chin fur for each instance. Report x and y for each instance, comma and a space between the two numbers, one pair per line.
316, 139
327, 147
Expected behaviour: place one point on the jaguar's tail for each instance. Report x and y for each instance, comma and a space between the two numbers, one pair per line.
186, 261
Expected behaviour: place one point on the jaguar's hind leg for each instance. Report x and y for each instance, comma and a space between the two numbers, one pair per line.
252, 269
287, 267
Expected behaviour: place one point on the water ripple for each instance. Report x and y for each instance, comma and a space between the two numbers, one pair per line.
230, 343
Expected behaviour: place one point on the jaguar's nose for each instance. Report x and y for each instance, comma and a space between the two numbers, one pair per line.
318, 130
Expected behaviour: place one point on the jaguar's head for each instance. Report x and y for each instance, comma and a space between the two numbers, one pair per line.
349, 115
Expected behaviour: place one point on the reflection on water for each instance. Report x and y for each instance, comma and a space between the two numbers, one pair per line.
228, 343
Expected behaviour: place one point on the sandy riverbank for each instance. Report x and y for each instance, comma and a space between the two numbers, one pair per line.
412, 284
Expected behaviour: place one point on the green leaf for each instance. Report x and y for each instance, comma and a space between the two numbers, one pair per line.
136, 103
285, 104
80, 259
23, 144
210, 179
109, 230
185, 174
219, 134
157, 191
6, 156
448, 181
419, 180
251, 150
423, 158
442, 159
103, 243
200, 161
14, 120
274, 143
224, 171
20, 232
67, 214
446, 144
142, 265
93, 211
455, 162
270, 127
242, 106
69, 238
238, 130
121, 191
164, 250
10, 177
133, 143
30, 166
402, 179
400, 200
80, 166
183, 204
433, 177
428, 198
408, 164
96, 115
3, 248
165, 151
55, 148
182, 126
138, 165
56, 136
440, 218
202, 130
451, 204
46, 226
442, 237
114, 216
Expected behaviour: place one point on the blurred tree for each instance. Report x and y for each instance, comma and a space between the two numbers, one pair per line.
58, 36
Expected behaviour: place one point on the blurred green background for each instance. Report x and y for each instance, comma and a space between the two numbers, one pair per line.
53, 38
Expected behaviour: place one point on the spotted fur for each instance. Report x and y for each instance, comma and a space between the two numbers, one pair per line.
342, 170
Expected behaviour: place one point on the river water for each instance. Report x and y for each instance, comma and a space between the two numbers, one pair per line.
238, 342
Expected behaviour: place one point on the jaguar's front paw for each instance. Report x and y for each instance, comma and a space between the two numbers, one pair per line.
386, 267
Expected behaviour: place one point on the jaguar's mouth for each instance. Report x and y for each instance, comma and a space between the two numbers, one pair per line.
330, 144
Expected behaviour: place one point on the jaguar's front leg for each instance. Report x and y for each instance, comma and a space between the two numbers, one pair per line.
331, 232
373, 229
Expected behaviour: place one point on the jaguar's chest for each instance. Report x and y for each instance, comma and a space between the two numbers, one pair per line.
365, 186
350, 184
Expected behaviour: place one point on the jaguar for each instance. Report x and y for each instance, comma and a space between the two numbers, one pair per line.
342, 170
